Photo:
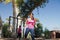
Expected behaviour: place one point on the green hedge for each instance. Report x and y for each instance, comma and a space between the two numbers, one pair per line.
5, 31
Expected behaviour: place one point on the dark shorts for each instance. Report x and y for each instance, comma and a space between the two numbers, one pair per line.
19, 35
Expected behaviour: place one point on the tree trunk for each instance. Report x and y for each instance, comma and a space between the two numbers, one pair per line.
14, 15
16, 23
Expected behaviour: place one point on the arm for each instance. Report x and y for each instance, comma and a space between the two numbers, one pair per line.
36, 19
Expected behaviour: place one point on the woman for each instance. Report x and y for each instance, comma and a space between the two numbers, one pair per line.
30, 22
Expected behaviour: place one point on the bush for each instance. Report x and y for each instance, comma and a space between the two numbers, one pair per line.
38, 30
47, 33
5, 31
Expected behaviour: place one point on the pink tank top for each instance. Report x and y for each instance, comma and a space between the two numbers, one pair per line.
30, 23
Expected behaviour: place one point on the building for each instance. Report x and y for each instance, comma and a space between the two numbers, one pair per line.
0, 27
0, 22
55, 34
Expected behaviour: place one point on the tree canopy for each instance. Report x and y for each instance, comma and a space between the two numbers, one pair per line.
0, 0
26, 6
38, 30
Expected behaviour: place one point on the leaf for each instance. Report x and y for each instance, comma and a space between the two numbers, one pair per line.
7, 1
19, 2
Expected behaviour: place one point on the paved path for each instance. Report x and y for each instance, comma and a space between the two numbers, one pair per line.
22, 39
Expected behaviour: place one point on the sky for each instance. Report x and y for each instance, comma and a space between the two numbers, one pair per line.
49, 16
6, 10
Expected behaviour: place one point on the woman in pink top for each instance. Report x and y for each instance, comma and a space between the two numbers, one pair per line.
30, 22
